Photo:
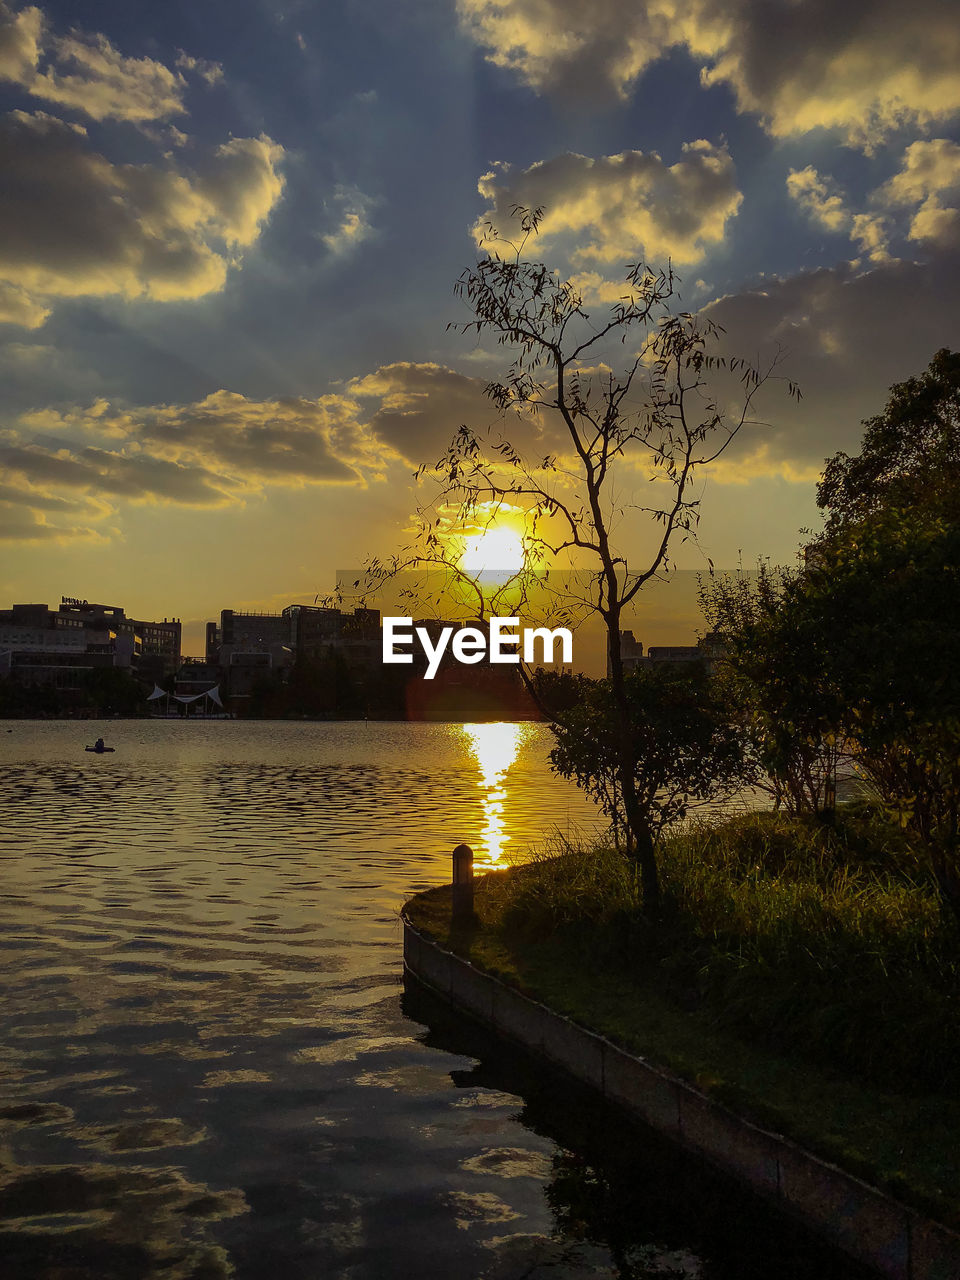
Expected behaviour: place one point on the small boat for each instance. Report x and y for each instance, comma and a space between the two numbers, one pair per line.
100, 749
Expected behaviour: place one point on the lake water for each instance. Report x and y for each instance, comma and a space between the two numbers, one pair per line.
208, 1066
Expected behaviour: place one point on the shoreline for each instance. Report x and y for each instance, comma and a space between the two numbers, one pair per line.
862, 1221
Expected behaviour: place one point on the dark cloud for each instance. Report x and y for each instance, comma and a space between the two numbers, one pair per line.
421, 407
847, 334
99, 471
277, 440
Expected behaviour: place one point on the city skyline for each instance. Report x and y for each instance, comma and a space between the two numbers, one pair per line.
225, 364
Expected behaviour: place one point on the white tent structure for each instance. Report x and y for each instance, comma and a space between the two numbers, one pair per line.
213, 694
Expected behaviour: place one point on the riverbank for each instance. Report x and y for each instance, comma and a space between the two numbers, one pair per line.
666, 1006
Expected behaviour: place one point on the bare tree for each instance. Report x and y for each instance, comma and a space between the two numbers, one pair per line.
657, 415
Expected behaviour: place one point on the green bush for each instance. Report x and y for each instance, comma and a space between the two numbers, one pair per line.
827, 943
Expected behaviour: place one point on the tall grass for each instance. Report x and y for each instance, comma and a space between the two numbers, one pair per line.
824, 943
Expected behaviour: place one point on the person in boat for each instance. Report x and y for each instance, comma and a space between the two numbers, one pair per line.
98, 745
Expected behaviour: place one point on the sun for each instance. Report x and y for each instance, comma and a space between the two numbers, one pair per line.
493, 551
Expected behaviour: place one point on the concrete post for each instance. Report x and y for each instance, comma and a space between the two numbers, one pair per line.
462, 885
830, 794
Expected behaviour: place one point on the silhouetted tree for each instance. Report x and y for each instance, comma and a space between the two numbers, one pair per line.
685, 749
658, 414
770, 671
910, 453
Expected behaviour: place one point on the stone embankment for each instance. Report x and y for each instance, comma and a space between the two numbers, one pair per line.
860, 1220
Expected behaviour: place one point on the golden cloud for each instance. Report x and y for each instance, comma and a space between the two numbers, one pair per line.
213, 453
618, 207
18, 307
158, 231
929, 180
864, 67
823, 202
566, 47
284, 441
818, 197
20, 41
86, 73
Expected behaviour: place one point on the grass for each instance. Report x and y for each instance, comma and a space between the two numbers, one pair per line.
804, 976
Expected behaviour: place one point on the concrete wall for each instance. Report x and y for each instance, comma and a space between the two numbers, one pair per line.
855, 1217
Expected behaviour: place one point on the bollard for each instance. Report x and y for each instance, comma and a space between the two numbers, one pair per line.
462, 885
830, 797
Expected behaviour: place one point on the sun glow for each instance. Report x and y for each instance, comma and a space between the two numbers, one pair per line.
494, 551
495, 748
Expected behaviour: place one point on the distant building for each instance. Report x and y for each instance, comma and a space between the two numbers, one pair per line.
632, 655
263, 633
631, 652
318, 630
252, 649
675, 653
55, 648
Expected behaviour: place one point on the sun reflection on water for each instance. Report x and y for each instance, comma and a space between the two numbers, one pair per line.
495, 748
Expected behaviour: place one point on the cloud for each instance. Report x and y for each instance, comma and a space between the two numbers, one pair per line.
824, 202
40, 372
921, 202
421, 406
17, 307
284, 441
21, 35
212, 72
819, 197
86, 73
158, 231
929, 180
354, 222
213, 453
596, 290
562, 46
847, 334
225, 448
19, 524
617, 207
91, 76
864, 67
105, 472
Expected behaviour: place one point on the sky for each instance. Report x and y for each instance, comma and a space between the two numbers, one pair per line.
229, 235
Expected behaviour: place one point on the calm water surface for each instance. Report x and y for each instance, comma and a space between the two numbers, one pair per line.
207, 1065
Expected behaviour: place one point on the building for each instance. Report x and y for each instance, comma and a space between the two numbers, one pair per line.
631, 652
158, 644
675, 653
253, 633
299, 631
633, 658
251, 651
316, 631
57, 648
